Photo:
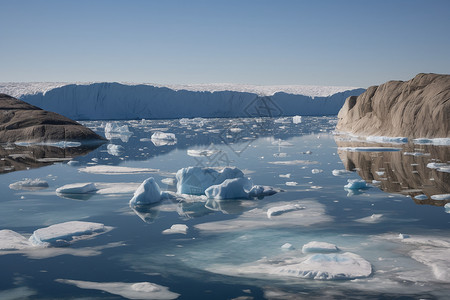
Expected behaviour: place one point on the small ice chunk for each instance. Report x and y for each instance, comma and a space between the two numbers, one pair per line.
319, 247
447, 208
159, 135
287, 246
77, 188
296, 119
195, 180
329, 267
288, 175
116, 128
176, 228
387, 139
168, 181
403, 236
441, 167
29, 184
339, 172
421, 197
291, 183
258, 191
147, 193
73, 163
11, 240
279, 210
230, 189
356, 184
441, 197
374, 218
380, 173
115, 150
202, 152
64, 233
316, 171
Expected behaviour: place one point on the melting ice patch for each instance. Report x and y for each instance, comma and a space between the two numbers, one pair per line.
77, 188
147, 193
139, 290
374, 218
11, 240
29, 184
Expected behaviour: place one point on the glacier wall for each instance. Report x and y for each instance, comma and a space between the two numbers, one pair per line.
115, 101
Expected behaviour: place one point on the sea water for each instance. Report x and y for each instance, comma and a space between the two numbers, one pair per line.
198, 248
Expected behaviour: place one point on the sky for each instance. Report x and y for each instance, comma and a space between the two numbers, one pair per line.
342, 43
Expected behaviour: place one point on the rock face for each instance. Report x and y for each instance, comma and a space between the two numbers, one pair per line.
416, 108
22, 122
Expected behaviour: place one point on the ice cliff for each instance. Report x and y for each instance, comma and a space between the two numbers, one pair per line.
125, 101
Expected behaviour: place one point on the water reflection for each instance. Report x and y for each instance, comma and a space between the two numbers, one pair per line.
16, 158
403, 171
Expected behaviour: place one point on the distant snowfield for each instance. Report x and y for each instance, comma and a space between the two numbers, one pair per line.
18, 89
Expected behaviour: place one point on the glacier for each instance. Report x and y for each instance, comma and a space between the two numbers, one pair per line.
118, 101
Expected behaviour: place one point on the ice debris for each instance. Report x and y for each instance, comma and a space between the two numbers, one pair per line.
176, 228
291, 183
339, 172
421, 197
116, 128
160, 138
319, 247
387, 139
316, 171
29, 184
447, 208
288, 175
374, 218
147, 193
63, 233
234, 188
11, 240
287, 246
115, 150
441, 197
201, 152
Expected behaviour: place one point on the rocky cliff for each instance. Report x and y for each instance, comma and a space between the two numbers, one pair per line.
22, 122
418, 108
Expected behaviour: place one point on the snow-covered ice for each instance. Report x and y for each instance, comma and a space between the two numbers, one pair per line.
159, 135
64, 233
147, 193
138, 290
421, 197
296, 119
29, 184
116, 170
77, 188
316, 171
176, 228
195, 180
282, 209
319, 247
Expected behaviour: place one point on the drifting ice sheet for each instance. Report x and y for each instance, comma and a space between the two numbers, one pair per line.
29, 184
63, 233
77, 188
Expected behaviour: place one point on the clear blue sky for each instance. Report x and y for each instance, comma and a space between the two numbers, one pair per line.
351, 43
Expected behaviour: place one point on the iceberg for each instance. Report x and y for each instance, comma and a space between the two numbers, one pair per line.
296, 119
195, 180
316, 171
63, 234
234, 188
201, 152
319, 247
138, 290
339, 172
147, 193
115, 150
77, 188
356, 184
11, 240
159, 135
29, 184
116, 101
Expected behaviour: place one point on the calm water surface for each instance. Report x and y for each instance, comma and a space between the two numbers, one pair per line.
226, 238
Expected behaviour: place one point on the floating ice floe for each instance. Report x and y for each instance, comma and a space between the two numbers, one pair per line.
139, 290
291, 183
29, 184
447, 208
279, 210
160, 138
441, 167
116, 170
374, 218
168, 181
416, 154
421, 197
369, 149
64, 233
176, 228
319, 247
356, 184
441, 197
316, 171
11, 240
147, 193
296, 119
77, 188
435, 141
285, 175
339, 172
195, 180
234, 188
387, 139
115, 150
201, 152
293, 162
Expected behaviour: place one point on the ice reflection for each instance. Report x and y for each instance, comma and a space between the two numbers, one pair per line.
406, 171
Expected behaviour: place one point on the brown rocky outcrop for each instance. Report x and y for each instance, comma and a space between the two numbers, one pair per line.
22, 122
418, 108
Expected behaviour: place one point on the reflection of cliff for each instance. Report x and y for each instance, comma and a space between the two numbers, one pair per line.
16, 158
403, 173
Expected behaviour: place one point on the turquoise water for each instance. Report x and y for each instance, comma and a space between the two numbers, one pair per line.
224, 253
